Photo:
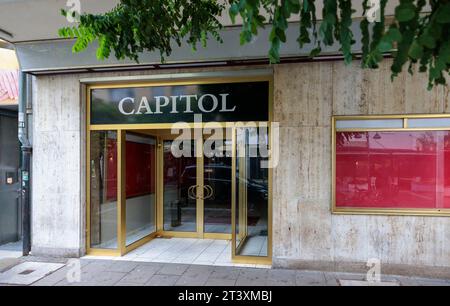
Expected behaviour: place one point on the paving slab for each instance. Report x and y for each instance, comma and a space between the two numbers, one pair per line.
173, 269
195, 276
10, 254
357, 283
8, 263
54, 278
141, 274
96, 272
419, 281
28, 272
225, 273
215, 282
310, 278
163, 280
281, 278
252, 277
95, 279
122, 266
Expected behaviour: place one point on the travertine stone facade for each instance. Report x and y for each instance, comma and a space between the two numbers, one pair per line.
305, 231
306, 234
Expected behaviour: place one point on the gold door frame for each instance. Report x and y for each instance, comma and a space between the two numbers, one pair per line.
200, 232
121, 130
242, 203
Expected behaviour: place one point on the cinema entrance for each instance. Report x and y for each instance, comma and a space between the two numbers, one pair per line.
179, 160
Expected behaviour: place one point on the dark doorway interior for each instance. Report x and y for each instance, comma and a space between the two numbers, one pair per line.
10, 212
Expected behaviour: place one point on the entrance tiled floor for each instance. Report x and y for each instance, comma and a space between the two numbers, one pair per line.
184, 251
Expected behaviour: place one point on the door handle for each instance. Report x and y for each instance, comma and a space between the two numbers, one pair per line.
192, 192
209, 192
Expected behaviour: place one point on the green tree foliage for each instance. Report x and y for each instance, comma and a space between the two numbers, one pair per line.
134, 26
414, 36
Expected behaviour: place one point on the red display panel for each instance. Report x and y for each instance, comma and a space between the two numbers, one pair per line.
401, 169
140, 169
111, 170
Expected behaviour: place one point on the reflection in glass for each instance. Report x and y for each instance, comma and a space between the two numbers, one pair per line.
369, 123
180, 183
428, 122
402, 169
252, 193
140, 186
217, 191
103, 190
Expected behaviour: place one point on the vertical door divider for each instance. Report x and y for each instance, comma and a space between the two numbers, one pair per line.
200, 186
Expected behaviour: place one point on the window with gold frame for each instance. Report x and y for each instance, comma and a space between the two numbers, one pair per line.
391, 165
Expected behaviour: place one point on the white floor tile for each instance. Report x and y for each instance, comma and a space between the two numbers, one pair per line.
187, 251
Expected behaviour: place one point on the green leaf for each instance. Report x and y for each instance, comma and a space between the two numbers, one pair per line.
281, 35
233, 11
443, 14
274, 52
294, 6
315, 52
393, 34
385, 46
427, 40
246, 36
405, 12
135, 26
416, 50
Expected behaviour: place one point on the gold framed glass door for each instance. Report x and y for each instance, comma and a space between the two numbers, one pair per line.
180, 193
140, 187
196, 191
122, 191
251, 217
217, 174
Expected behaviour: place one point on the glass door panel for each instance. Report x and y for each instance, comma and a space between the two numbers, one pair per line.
140, 189
180, 187
217, 188
103, 190
251, 204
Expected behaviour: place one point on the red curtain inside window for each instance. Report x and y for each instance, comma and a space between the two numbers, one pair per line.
111, 170
140, 169
402, 169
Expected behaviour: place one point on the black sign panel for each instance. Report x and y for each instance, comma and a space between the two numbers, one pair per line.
229, 102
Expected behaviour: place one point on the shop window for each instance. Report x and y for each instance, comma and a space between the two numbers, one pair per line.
390, 168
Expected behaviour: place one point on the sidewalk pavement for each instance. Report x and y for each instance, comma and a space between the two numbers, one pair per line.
96, 272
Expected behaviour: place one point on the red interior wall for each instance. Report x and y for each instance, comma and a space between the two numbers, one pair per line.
140, 169
393, 169
111, 170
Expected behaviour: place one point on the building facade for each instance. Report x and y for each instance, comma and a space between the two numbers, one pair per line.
306, 231
358, 169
